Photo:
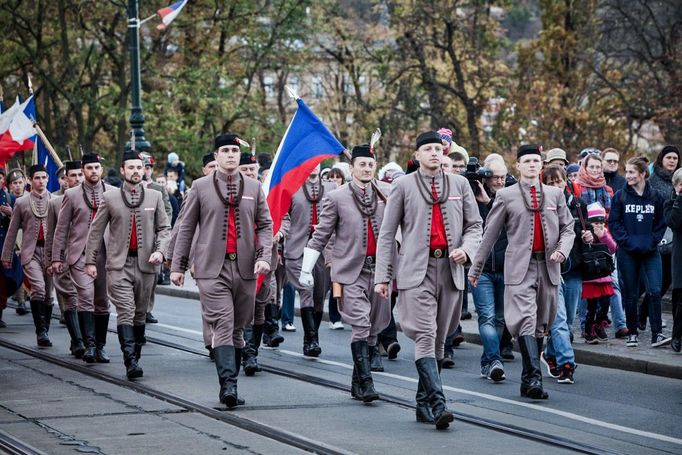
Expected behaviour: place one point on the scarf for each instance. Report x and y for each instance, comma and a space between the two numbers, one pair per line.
587, 181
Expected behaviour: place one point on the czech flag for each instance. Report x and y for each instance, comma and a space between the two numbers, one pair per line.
16, 129
306, 143
169, 13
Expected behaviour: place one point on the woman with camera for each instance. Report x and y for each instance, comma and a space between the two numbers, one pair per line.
637, 224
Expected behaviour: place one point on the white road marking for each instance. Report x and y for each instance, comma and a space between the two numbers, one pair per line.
565, 414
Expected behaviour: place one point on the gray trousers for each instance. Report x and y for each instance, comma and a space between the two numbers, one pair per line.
366, 312
92, 293
66, 290
310, 298
227, 305
530, 306
431, 310
129, 291
264, 296
36, 273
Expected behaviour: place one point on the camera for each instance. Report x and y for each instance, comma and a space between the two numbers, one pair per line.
476, 173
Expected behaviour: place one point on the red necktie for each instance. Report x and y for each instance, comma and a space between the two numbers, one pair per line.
313, 221
231, 246
133, 233
538, 238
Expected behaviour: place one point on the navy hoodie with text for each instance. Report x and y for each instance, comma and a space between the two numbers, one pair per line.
636, 222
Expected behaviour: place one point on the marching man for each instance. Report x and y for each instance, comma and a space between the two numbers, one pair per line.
441, 230
66, 291
30, 215
354, 212
79, 207
306, 204
227, 211
139, 231
540, 231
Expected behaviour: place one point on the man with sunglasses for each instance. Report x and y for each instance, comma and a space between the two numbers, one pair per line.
611, 159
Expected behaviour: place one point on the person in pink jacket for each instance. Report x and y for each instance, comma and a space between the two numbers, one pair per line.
598, 292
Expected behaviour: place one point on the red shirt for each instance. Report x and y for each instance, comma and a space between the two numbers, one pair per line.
538, 238
438, 238
231, 246
371, 240
41, 234
133, 234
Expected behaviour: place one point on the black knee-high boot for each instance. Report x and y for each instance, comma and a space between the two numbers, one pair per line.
101, 329
427, 367
71, 320
360, 351
531, 377
87, 321
311, 346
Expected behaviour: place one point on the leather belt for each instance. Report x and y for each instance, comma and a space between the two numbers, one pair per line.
231, 256
370, 260
40, 243
539, 256
132, 253
438, 253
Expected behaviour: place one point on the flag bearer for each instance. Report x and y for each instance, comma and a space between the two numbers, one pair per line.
30, 215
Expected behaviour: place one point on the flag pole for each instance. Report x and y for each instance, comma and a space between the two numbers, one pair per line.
50, 149
146, 19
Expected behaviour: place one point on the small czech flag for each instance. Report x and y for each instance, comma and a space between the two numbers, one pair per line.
169, 13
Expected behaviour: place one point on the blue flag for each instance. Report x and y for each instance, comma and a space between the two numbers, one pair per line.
44, 156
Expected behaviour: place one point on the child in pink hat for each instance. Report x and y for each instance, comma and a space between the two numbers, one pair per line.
598, 292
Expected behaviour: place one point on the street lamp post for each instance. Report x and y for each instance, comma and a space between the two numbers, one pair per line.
136, 115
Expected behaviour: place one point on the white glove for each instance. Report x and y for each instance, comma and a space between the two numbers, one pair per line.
310, 258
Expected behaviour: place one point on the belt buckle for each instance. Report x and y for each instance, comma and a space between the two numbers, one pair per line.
438, 253
369, 260
232, 256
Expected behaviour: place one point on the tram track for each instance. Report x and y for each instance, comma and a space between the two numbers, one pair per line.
490, 424
267, 431
13, 446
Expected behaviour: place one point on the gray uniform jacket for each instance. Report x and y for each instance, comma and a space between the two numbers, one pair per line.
300, 216
206, 214
73, 223
340, 215
152, 227
408, 210
510, 211
24, 219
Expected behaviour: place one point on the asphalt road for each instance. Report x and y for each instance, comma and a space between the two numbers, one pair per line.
60, 411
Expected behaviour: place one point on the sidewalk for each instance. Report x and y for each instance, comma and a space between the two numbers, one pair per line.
614, 354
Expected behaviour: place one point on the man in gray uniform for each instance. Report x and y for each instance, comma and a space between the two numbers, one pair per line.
147, 180
139, 231
354, 213
303, 217
230, 216
66, 291
265, 295
441, 229
209, 165
78, 209
30, 215
540, 232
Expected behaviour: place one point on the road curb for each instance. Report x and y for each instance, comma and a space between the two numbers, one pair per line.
601, 359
